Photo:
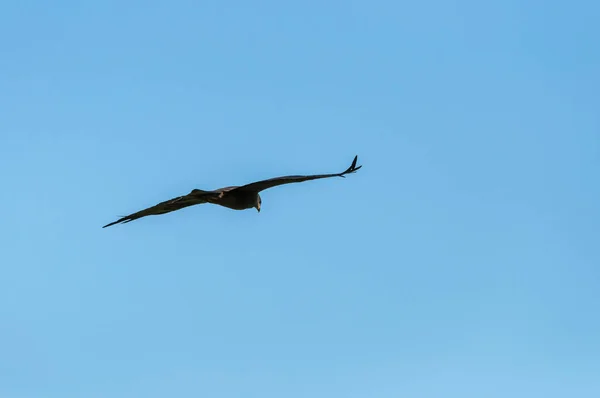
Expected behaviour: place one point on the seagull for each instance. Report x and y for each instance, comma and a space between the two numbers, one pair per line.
236, 197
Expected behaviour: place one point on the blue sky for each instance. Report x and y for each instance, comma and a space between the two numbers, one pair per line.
460, 261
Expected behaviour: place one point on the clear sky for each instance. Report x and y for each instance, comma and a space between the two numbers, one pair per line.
462, 260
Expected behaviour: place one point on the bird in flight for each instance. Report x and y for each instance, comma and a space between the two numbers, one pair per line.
236, 197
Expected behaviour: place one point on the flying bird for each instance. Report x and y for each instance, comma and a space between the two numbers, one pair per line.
235, 197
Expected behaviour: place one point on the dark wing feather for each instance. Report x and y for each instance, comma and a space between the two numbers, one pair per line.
273, 182
193, 198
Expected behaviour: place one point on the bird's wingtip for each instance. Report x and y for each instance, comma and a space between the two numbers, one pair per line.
122, 219
352, 167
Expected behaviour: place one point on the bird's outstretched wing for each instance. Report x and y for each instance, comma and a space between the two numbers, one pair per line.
273, 182
193, 198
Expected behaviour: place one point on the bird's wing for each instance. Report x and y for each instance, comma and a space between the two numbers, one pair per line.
195, 197
273, 182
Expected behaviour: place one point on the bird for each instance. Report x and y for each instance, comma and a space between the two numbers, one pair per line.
234, 197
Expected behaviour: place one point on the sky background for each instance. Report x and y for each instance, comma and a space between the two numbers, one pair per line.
462, 260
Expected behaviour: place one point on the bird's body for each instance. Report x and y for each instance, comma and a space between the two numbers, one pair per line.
239, 201
234, 197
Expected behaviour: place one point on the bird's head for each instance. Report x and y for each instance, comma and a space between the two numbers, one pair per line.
258, 202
